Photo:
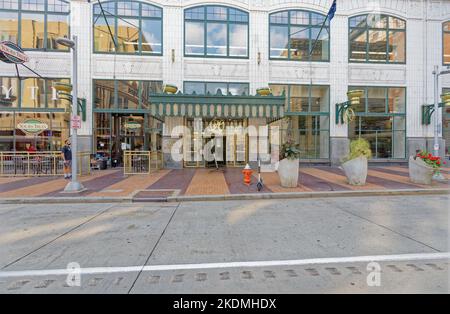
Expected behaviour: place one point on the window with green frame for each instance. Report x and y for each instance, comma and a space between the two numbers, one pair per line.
135, 26
309, 109
446, 43
30, 93
381, 119
446, 124
35, 24
203, 88
216, 31
128, 95
293, 33
377, 38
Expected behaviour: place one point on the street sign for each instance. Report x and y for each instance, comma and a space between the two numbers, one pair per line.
11, 53
75, 122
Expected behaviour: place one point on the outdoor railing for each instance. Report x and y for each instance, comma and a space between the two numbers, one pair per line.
35, 164
141, 162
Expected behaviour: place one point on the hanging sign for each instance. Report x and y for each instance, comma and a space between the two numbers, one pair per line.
11, 53
132, 125
32, 126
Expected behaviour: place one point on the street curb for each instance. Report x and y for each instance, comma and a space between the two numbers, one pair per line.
300, 195
229, 197
65, 200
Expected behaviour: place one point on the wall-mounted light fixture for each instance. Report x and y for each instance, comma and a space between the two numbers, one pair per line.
173, 55
259, 58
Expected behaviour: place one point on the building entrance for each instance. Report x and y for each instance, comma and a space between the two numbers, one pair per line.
215, 143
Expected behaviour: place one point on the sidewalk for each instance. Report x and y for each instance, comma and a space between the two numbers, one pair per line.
195, 184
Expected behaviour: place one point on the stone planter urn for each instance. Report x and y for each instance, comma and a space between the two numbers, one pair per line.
288, 172
356, 170
420, 172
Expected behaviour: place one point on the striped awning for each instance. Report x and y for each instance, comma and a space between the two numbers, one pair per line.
216, 106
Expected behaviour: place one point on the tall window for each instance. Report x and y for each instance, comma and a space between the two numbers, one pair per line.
135, 26
293, 35
203, 88
110, 94
34, 24
377, 38
309, 108
216, 31
446, 43
30, 93
381, 119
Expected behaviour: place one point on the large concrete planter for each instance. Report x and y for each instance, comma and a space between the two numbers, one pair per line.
420, 172
356, 170
288, 173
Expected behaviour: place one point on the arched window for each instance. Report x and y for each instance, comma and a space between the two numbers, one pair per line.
446, 43
34, 24
377, 38
293, 35
135, 26
216, 31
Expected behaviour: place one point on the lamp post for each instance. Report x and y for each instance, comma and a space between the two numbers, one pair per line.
73, 185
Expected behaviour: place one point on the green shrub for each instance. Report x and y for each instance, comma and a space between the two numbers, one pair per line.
290, 150
359, 148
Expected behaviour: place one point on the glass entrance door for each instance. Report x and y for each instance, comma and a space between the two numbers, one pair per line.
128, 134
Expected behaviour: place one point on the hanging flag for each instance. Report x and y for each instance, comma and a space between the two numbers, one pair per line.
332, 10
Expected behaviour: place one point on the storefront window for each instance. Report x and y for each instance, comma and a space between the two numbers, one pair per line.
309, 108
381, 120
446, 43
135, 26
293, 34
41, 22
129, 95
43, 131
53, 100
203, 88
377, 38
226, 32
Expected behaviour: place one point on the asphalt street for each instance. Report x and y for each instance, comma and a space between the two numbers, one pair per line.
264, 246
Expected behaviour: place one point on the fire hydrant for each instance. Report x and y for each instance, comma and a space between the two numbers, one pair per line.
247, 174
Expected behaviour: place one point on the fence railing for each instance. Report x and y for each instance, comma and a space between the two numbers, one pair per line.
141, 162
34, 164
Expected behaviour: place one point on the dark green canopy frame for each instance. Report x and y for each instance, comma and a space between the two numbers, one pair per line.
217, 106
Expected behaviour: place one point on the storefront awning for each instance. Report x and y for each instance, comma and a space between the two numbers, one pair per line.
217, 106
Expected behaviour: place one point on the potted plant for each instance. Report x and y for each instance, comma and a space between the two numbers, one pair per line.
423, 166
289, 162
356, 164
170, 89
264, 91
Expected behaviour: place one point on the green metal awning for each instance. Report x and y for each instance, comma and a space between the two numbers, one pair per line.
216, 106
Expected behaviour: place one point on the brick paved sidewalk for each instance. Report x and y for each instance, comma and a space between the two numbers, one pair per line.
194, 182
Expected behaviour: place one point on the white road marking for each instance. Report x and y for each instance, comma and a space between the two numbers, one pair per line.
301, 262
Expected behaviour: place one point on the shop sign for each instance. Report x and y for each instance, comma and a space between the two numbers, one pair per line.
32, 126
132, 125
11, 53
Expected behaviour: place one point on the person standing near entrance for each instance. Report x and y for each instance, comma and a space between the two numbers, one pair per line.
67, 156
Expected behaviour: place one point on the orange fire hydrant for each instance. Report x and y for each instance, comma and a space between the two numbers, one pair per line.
247, 174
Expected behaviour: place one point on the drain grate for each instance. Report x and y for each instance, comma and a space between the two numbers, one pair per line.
153, 195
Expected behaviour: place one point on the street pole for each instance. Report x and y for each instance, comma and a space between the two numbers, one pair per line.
436, 109
74, 185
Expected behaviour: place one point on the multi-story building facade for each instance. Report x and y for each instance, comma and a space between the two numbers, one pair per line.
218, 53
